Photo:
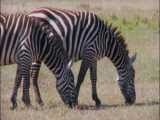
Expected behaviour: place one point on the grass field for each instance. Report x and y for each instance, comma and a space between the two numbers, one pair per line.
139, 25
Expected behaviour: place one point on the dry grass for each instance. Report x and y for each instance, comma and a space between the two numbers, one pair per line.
146, 106
126, 8
144, 41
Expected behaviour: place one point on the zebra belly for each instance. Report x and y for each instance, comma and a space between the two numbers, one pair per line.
6, 57
6, 60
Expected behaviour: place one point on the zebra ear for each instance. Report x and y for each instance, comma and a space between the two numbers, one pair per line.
69, 64
133, 58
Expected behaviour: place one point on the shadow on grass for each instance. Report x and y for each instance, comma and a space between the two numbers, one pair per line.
104, 106
93, 107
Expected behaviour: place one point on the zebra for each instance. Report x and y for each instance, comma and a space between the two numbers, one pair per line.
25, 41
88, 38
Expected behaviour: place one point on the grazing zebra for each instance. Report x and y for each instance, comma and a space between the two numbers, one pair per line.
25, 40
86, 37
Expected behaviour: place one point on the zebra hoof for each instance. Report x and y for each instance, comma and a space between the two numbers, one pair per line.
14, 106
76, 103
98, 103
14, 103
26, 101
41, 103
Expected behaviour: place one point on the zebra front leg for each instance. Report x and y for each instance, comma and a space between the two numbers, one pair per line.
83, 70
15, 89
93, 75
35, 73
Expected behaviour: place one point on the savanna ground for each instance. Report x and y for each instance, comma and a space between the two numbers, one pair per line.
138, 21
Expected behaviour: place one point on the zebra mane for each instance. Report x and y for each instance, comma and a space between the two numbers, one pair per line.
120, 39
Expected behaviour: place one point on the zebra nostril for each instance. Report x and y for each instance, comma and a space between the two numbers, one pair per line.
71, 104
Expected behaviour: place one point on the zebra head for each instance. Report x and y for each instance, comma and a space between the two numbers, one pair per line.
126, 83
66, 88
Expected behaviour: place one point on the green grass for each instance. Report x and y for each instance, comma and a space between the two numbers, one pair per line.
132, 23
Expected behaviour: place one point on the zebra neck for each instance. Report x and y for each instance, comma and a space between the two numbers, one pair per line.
120, 60
122, 67
54, 62
116, 51
52, 55
100, 48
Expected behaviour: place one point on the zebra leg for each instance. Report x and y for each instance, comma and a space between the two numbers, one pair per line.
25, 72
93, 75
15, 89
83, 70
34, 74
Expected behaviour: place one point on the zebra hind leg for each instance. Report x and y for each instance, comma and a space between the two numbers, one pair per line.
15, 90
25, 72
34, 74
93, 75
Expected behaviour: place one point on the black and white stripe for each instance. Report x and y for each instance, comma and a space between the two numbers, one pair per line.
25, 40
86, 37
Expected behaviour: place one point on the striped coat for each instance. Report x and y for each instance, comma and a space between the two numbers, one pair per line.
25, 40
